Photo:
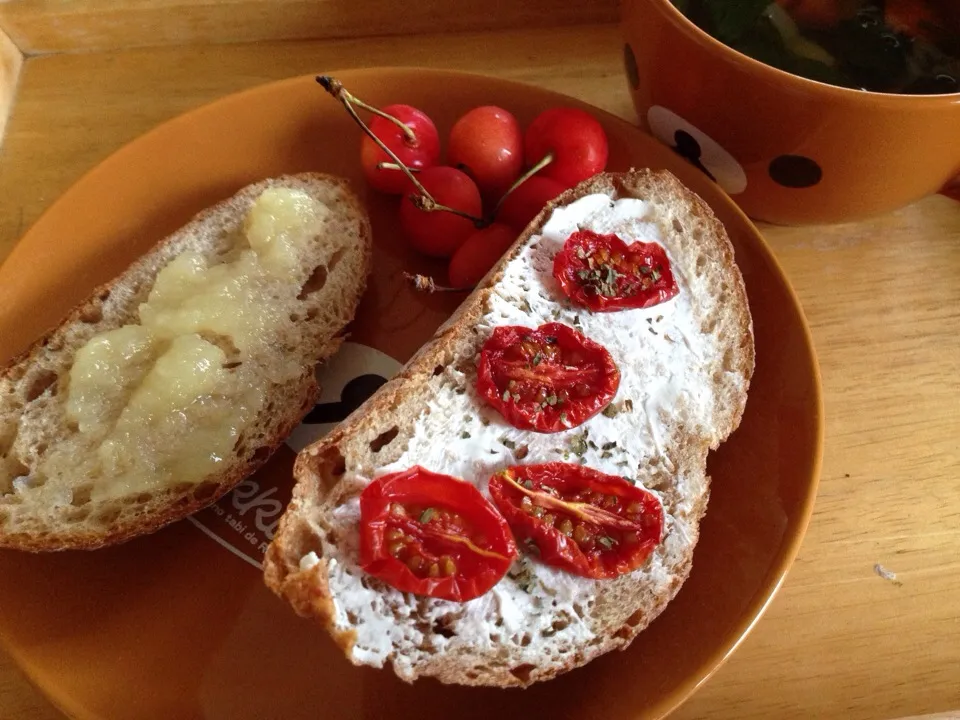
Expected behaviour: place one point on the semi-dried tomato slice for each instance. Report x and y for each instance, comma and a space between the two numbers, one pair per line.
433, 534
549, 379
579, 519
603, 273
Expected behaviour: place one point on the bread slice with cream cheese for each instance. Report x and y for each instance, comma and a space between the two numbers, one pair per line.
180, 377
685, 369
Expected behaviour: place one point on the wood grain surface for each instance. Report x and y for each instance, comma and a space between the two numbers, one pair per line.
11, 61
882, 297
41, 26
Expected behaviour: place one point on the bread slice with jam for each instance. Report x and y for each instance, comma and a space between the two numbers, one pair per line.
181, 376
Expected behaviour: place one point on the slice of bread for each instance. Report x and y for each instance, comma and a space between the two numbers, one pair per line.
60, 489
685, 369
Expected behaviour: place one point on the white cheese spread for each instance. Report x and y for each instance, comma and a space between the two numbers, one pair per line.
659, 352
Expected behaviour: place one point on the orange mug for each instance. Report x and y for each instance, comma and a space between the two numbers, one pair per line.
788, 150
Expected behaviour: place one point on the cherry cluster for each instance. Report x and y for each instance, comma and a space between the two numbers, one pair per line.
496, 178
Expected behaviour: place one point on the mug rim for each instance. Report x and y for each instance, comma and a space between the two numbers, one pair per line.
689, 28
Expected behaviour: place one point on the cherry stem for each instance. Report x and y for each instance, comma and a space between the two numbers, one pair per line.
426, 201
394, 166
336, 88
425, 283
547, 159
428, 204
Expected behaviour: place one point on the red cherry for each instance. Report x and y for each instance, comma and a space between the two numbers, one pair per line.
576, 139
439, 233
479, 253
421, 152
488, 145
522, 205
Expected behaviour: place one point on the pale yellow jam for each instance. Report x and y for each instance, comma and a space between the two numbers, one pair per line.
164, 402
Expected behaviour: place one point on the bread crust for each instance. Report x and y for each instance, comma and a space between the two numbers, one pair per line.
115, 303
319, 467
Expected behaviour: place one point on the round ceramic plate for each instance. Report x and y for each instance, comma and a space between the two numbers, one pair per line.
180, 625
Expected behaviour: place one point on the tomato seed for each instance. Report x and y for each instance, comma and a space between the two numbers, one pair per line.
608, 542
566, 527
395, 548
527, 504
549, 519
415, 563
538, 511
449, 567
580, 535
394, 534
610, 501
398, 509
634, 508
434, 570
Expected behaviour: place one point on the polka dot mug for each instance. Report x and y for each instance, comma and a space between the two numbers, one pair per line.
788, 150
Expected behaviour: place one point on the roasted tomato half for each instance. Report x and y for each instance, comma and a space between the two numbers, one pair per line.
603, 273
433, 534
549, 379
579, 519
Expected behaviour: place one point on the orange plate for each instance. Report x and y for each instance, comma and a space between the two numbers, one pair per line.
180, 625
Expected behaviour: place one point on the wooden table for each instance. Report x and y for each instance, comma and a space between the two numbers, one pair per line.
882, 297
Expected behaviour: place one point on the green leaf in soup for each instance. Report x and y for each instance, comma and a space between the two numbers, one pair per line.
730, 20
765, 43
813, 70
